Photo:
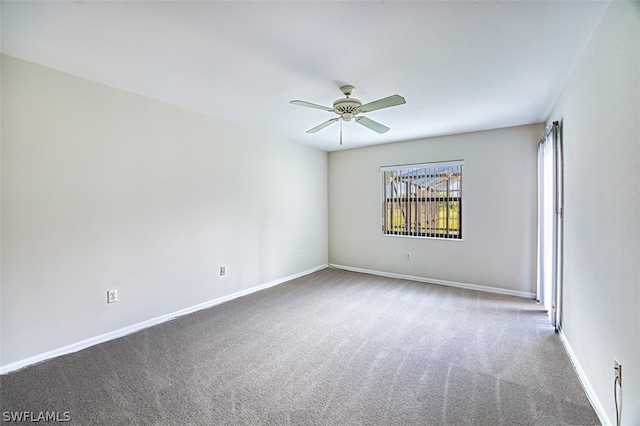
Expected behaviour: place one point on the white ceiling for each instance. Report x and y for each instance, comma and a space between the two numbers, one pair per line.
461, 65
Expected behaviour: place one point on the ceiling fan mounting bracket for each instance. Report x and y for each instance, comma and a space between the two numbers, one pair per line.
347, 89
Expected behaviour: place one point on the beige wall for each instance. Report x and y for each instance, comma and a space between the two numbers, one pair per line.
104, 189
600, 115
498, 210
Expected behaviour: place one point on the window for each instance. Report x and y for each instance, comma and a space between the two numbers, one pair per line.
423, 200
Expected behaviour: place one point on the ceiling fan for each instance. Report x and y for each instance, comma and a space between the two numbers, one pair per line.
348, 109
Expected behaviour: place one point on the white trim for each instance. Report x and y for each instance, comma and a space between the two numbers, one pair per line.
586, 385
421, 238
83, 344
467, 286
435, 164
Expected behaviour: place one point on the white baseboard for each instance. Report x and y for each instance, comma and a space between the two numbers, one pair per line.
83, 344
497, 290
586, 385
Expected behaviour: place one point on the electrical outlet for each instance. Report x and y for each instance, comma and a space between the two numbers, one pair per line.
617, 368
301, 253
112, 296
407, 256
223, 270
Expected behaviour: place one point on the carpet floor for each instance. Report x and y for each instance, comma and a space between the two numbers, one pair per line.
330, 348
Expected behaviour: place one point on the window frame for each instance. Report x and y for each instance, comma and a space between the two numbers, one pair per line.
425, 208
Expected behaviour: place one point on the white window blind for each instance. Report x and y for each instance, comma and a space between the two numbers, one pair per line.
423, 200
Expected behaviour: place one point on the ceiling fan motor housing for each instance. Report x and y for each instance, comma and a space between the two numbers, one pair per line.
347, 105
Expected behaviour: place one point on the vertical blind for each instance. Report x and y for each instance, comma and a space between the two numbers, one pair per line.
423, 200
550, 221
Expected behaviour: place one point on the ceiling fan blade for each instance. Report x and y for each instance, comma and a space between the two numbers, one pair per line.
387, 102
323, 125
310, 105
373, 125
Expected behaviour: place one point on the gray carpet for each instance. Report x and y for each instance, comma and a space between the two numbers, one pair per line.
330, 348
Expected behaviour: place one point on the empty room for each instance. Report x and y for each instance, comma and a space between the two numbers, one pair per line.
320, 212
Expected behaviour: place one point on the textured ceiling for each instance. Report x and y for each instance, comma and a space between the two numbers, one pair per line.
461, 65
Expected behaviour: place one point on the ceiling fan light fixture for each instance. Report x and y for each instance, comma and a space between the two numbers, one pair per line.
347, 116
